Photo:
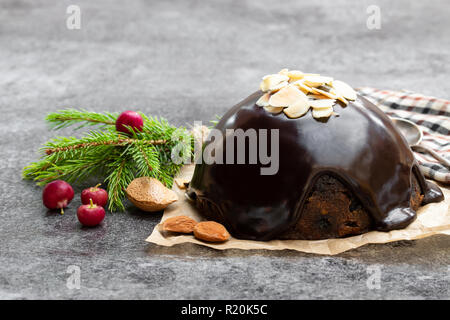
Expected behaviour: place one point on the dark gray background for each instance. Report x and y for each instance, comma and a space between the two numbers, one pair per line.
186, 61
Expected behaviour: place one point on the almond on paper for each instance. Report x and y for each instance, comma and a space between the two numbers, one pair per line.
180, 224
322, 113
271, 81
297, 109
322, 103
264, 100
274, 110
149, 194
344, 90
286, 96
211, 231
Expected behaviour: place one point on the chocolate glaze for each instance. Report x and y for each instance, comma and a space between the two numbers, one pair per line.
360, 147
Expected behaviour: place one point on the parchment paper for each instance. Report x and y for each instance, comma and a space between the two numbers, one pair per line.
431, 219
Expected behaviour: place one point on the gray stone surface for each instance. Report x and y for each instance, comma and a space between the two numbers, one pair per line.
186, 61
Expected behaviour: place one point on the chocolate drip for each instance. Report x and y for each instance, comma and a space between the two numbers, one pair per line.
360, 147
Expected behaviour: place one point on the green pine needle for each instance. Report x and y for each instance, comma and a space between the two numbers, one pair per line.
65, 118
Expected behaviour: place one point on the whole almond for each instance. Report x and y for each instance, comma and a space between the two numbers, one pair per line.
149, 194
211, 231
180, 224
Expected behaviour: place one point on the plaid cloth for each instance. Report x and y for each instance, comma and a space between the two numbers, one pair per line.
432, 115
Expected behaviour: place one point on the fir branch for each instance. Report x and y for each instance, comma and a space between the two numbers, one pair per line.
68, 117
119, 178
118, 142
145, 159
70, 170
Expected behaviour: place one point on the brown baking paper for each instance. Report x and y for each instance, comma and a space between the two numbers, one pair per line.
433, 218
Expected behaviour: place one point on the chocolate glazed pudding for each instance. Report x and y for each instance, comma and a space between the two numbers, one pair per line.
338, 176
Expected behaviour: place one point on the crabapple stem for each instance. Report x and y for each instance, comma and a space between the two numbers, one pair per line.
92, 203
98, 185
62, 210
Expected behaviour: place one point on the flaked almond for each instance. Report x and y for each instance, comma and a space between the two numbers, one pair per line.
271, 81
322, 113
311, 74
322, 103
297, 109
149, 194
314, 96
284, 72
278, 87
180, 224
182, 183
211, 231
344, 90
295, 75
329, 94
274, 110
316, 81
286, 96
264, 100
303, 87
342, 99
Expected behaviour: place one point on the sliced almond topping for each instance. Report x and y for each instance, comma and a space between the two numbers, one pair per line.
342, 99
325, 87
294, 93
274, 109
311, 75
305, 89
295, 75
264, 100
279, 86
286, 96
322, 103
316, 96
284, 72
344, 90
330, 94
271, 81
316, 81
322, 113
298, 109
182, 183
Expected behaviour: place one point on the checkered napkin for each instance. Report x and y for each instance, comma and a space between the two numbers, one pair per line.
432, 115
